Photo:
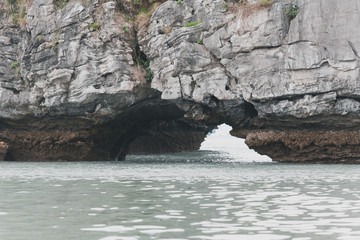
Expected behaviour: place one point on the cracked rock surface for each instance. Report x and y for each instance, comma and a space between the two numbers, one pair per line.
299, 73
72, 88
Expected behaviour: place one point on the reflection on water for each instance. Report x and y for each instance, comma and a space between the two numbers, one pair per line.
178, 197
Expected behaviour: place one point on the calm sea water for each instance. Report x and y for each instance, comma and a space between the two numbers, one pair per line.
201, 195
232, 193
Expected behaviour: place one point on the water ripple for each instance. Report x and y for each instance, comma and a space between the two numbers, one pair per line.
112, 201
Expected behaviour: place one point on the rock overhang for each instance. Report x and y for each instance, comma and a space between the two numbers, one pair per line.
252, 67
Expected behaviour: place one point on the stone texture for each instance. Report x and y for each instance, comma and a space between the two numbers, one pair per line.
261, 56
71, 85
184, 68
3, 150
296, 73
68, 96
64, 62
315, 146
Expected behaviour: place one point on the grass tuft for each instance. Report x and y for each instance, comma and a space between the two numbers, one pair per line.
192, 24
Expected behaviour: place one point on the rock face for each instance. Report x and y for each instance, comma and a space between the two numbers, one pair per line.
334, 146
284, 75
3, 150
297, 72
70, 88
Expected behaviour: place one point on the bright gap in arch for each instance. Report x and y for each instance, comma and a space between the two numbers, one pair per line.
220, 140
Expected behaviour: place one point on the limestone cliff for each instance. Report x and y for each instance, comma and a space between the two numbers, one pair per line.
94, 80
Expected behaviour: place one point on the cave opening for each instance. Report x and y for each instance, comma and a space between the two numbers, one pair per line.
221, 140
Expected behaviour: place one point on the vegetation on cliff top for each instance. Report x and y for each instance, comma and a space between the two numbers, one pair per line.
133, 8
247, 8
16, 10
60, 4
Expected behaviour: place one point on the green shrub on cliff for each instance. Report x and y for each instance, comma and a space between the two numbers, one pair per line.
15, 19
16, 12
146, 65
131, 8
149, 74
192, 24
13, 7
137, 2
23, 12
94, 27
14, 65
265, 3
60, 4
11, 2
291, 11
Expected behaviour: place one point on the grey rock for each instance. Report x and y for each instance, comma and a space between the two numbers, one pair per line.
64, 61
249, 66
268, 58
